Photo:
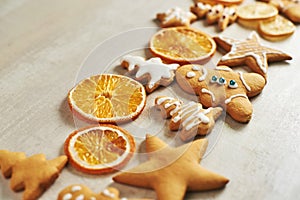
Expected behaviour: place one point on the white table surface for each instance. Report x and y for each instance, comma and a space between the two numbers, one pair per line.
43, 45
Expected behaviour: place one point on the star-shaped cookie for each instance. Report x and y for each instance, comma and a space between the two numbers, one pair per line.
249, 52
190, 117
153, 71
172, 171
176, 17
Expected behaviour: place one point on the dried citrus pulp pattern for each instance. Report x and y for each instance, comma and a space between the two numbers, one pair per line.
99, 149
107, 98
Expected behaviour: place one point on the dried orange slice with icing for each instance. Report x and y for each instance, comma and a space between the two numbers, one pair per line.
99, 149
107, 98
182, 45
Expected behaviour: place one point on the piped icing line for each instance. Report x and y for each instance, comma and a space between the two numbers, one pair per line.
192, 114
203, 77
244, 81
206, 91
76, 188
228, 100
154, 67
107, 193
227, 69
80, 197
190, 74
196, 68
67, 196
168, 102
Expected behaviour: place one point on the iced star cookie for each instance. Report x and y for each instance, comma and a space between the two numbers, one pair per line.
172, 172
222, 86
249, 52
175, 17
218, 13
289, 8
33, 174
191, 117
153, 71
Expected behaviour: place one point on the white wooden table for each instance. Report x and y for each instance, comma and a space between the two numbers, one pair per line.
43, 45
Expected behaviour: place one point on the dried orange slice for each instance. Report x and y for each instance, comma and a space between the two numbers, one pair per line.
278, 29
99, 149
182, 45
107, 98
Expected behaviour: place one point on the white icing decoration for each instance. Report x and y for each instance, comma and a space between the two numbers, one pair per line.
196, 68
244, 82
67, 196
80, 197
223, 69
154, 67
228, 100
178, 14
123, 198
171, 102
190, 74
93, 198
203, 77
192, 114
203, 6
213, 98
76, 188
107, 193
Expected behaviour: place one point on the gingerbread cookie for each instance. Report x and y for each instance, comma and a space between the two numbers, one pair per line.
249, 52
289, 8
191, 118
153, 71
175, 17
222, 86
33, 174
224, 16
172, 171
79, 191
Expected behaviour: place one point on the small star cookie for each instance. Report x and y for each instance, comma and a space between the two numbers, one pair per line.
249, 52
172, 171
222, 86
33, 174
191, 118
153, 71
176, 17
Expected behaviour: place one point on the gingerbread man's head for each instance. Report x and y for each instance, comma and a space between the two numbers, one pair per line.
222, 86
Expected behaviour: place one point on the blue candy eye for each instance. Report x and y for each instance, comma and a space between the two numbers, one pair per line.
222, 81
232, 84
214, 79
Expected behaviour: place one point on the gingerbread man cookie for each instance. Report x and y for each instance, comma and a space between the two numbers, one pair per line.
153, 71
222, 86
172, 171
249, 52
224, 16
33, 174
176, 17
191, 117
